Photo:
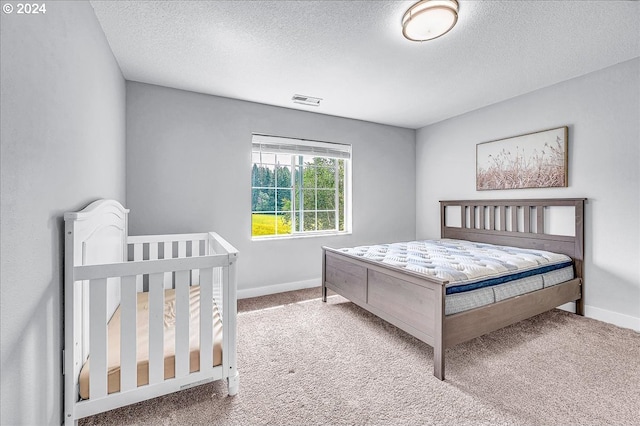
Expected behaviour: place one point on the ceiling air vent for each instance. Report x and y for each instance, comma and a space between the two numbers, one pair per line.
306, 100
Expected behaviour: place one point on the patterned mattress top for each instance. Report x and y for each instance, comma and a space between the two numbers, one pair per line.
466, 265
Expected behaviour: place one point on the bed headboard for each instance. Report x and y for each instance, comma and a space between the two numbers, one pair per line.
520, 223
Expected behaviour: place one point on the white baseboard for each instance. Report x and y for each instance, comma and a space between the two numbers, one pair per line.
278, 288
621, 320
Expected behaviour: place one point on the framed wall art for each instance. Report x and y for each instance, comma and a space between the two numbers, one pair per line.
534, 160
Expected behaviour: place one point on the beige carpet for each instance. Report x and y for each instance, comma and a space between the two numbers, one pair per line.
304, 362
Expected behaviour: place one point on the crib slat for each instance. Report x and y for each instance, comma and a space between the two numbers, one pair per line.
137, 251
98, 338
156, 328
206, 323
195, 252
168, 249
218, 280
128, 344
182, 323
153, 251
182, 249
168, 254
138, 255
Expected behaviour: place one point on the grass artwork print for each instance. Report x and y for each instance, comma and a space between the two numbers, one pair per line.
535, 160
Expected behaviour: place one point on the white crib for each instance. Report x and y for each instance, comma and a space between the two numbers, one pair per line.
108, 274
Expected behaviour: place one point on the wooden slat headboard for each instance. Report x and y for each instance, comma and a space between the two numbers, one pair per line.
509, 223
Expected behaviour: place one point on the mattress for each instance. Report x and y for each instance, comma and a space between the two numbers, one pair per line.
478, 273
459, 302
113, 330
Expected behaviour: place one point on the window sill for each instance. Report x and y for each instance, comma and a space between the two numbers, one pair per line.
300, 236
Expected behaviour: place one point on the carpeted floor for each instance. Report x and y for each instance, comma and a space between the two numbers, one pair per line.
304, 362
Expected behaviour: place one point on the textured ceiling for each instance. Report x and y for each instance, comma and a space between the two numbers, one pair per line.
352, 53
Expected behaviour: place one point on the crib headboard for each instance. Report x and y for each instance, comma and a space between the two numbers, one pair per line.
99, 233
95, 235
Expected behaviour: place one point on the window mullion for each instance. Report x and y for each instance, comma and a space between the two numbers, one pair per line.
301, 193
336, 191
315, 196
275, 192
294, 195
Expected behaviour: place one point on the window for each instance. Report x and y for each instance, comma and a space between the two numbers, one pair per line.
299, 187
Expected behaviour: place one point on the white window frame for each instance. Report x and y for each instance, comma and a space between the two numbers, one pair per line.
302, 147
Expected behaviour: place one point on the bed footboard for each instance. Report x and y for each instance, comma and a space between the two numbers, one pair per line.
412, 303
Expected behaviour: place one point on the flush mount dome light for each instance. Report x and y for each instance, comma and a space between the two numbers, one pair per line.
429, 19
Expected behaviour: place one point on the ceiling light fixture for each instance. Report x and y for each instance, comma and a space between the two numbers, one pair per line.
429, 19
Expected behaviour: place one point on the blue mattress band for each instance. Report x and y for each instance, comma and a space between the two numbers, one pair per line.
505, 279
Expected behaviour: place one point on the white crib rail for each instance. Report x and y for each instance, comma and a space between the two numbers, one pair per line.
204, 259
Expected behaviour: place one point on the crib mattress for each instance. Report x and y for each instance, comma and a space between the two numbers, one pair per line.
113, 366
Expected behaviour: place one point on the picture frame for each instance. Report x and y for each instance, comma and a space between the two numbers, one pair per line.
532, 160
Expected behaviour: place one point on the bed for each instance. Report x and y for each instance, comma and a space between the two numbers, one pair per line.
133, 310
417, 302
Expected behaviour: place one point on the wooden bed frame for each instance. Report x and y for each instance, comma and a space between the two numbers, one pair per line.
415, 303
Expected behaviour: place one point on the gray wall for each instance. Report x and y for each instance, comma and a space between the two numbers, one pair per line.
63, 145
189, 170
602, 110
